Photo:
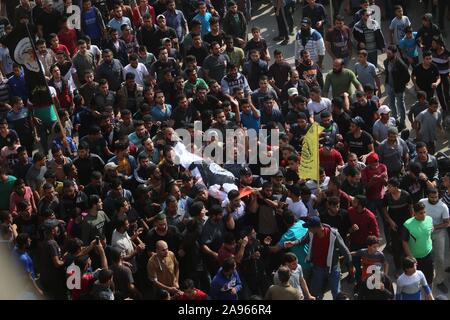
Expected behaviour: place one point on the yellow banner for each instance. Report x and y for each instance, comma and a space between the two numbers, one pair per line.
309, 163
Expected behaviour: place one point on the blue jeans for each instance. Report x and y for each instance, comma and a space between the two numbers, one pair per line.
397, 104
322, 276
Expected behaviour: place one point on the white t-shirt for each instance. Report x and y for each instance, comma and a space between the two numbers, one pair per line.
316, 108
312, 185
122, 242
438, 212
140, 72
298, 208
237, 214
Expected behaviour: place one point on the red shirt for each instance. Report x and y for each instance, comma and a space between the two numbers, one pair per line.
367, 224
69, 39
62, 48
374, 191
199, 295
320, 249
223, 254
331, 161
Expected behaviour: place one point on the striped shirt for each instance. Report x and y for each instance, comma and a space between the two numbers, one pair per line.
314, 44
442, 61
446, 198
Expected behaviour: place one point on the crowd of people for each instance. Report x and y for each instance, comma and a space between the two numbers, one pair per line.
90, 188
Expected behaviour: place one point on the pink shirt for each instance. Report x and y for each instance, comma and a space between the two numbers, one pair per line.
376, 190
14, 199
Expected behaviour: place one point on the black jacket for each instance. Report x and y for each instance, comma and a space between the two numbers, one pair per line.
401, 75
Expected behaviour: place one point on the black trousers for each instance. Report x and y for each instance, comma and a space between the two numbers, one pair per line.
443, 93
426, 265
283, 28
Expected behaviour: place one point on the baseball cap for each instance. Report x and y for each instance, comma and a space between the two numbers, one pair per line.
280, 174
384, 109
372, 158
306, 21
358, 121
313, 222
292, 91
142, 188
111, 165
161, 16
246, 171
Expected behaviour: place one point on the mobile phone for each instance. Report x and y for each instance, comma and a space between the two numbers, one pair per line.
97, 240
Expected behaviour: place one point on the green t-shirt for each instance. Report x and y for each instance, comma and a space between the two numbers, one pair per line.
46, 114
189, 87
6, 189
340, 82
420, 242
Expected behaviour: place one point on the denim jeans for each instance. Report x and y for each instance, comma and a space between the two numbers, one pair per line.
397, 104
322, 276
439, 238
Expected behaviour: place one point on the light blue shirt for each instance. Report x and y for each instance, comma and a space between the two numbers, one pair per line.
116, 24
205, 22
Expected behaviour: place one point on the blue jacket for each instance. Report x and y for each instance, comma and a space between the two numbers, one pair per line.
221, 286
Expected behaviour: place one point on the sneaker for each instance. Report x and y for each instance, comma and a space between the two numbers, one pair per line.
442, 287
285, 42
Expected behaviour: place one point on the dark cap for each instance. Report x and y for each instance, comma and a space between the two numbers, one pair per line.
142, 188
280, 174
313, 222
246, 171
358, 121
50, 174
306, 21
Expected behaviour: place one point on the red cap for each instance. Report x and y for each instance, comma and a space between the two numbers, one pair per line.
373, 157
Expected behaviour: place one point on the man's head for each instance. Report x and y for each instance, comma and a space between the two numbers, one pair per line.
283, 272
339, 22
420, 211
433, 196
306, 24
314, 225
359, 202
338, 65
391, 52
422, 151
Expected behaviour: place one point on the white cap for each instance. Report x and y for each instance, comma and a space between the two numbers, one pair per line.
384, 109
111, 165
292, 91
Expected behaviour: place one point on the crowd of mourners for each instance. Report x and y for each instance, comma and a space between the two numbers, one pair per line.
94, 205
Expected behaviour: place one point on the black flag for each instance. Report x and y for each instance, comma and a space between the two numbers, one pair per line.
22, 51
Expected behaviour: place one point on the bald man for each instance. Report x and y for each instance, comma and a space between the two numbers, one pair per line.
163, 270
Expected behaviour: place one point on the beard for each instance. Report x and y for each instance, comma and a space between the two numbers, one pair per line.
337, 70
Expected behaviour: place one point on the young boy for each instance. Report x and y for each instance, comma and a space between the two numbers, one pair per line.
258, 43
370, 257
411, 282
409, 47
203, 16
420, 105
398, 25
297, 279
